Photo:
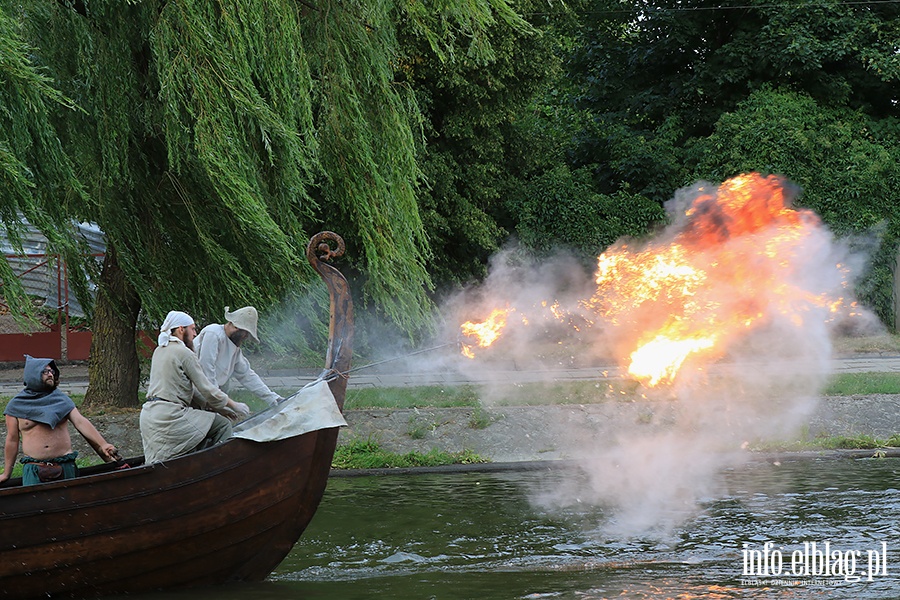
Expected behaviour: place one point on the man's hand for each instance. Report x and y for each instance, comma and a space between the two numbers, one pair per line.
226, 411
236, 410
108, 452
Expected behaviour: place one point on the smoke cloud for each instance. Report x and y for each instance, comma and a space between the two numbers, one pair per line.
774, 286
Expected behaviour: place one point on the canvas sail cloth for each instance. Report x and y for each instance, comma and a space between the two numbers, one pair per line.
310, 409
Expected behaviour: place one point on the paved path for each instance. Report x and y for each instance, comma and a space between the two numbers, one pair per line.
382, 379
76, 382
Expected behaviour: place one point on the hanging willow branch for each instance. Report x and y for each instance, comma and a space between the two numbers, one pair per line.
310, 6
216, 133
37, 180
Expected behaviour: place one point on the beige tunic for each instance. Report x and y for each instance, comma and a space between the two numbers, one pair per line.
169, 426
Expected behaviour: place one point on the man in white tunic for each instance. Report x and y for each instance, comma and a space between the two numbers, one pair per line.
219, 349
169, 426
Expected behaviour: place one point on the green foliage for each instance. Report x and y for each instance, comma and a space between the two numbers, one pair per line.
847, 164
359, 454
849, 384
699, 58
839, 442
859, 442
453, 31
411, 397
37, 180
213, 135
418, 430
847, 171
196, 162
366, 125
481, 419
474, 103
560, 207
671, 69
683, 90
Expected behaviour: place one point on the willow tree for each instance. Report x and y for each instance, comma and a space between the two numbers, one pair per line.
37, 181
214, 135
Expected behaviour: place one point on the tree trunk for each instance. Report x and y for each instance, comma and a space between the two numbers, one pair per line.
114, 369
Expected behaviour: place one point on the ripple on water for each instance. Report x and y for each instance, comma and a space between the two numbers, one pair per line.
380, 535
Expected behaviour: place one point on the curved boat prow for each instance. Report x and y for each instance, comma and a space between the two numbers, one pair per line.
340, 327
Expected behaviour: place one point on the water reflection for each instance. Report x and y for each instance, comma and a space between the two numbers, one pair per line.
479, 536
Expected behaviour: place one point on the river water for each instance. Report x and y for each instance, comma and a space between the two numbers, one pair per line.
809, 528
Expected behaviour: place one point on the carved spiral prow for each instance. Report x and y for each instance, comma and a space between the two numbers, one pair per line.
319, 249
340, 327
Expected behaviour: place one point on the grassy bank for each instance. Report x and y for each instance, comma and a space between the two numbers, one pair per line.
572, 392
370, 455
536, 394
840, 442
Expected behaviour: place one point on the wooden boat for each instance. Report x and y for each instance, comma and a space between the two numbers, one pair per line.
231, 512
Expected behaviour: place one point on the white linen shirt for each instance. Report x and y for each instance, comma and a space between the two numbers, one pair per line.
221, 360
169, 426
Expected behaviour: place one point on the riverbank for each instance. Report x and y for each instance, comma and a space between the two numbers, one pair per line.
548, 432
539, 433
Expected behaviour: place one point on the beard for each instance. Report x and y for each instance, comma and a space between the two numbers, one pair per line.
237, 337
189, 343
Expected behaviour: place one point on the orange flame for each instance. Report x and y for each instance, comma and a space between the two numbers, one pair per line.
730, 263
485, 332
728, 268
659, 359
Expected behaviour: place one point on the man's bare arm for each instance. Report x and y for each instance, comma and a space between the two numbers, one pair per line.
104, 449
10, 448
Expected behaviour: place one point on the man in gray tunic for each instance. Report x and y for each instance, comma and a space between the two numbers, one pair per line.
170, 427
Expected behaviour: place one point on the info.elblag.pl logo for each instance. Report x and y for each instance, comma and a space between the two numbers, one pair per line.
819, 560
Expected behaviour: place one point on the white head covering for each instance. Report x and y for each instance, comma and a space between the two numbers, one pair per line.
174, 319
244, 318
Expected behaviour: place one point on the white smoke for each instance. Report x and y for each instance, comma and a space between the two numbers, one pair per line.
652, 473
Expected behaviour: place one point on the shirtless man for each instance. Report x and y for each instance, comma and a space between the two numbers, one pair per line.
40, 415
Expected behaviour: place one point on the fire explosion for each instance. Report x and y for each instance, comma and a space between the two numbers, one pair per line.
486, 332
733, 261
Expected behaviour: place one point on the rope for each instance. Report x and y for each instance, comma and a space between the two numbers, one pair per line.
387, 360
331, 374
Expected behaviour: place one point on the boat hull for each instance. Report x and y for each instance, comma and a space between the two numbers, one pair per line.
231, 512
228, 513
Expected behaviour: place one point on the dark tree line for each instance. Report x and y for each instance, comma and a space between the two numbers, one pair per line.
666, 93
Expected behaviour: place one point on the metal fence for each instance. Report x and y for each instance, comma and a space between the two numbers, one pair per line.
44, 276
